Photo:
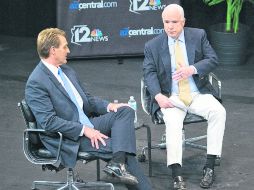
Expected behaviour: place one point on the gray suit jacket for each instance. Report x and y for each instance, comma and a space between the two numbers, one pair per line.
55, 112
157, 63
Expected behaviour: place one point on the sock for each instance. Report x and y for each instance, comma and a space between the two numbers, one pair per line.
210, 161
176, 170
119, 157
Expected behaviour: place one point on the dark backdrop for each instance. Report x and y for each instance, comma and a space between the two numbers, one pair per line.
28, 17
114, 28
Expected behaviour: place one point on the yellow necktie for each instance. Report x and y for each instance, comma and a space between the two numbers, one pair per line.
183, 85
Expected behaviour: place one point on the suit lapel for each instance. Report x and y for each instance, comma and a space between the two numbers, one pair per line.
190, 48
54, 80
165, 55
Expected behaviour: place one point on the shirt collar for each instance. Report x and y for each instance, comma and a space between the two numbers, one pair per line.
51, 67
171, 41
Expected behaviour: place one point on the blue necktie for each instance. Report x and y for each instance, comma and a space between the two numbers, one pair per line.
82, 116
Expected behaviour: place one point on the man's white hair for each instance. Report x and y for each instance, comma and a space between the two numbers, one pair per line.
176, 7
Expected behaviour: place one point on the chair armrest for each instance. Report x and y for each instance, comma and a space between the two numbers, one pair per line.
34, 158
216, 83
145, 97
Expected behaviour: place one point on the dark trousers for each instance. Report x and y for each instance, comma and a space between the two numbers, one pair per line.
119, 127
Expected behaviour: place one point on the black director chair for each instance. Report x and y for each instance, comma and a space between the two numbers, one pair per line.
36, 153
192, 142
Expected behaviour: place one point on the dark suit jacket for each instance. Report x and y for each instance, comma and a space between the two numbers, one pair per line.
157, 63
55, 112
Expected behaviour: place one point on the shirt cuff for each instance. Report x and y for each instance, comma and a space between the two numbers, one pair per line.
195, 70
82, 131
108, 108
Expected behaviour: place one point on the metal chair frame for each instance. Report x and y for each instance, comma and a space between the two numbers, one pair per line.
44, 158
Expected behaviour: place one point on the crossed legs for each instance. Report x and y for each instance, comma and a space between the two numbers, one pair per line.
119, 126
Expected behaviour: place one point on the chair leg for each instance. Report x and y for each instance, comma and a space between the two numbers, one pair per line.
93, 184
65, 187
98, 169
191, 142
35, 184
186, 142
149, 147
70, 184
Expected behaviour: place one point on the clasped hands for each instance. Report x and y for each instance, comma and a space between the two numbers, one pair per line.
182, 73
96, 136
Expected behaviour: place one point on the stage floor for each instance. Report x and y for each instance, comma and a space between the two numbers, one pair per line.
108, 79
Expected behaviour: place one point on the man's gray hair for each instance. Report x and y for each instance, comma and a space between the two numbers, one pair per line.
174, 6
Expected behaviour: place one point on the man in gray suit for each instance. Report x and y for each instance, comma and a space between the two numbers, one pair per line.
60, 103
175, 65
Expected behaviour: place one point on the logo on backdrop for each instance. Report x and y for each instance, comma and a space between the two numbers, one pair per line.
83, 34
77, 5
127, 32
137, 6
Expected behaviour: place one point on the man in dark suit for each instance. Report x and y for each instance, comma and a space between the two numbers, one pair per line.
175, 65
60, 103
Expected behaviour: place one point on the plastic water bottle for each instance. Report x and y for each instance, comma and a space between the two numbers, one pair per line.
133, 104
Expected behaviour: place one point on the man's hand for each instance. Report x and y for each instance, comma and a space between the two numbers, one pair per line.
95, 136
114, 106
163, 101
183, 73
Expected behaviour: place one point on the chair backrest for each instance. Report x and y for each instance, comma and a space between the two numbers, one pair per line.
146, 103
30, 123
27, 115
33, 147
145, 97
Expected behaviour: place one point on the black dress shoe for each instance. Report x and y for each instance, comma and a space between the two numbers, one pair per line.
119, 171
178, 183
208, 178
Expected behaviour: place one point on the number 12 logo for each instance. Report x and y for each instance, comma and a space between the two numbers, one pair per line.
80, 34
144, 5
